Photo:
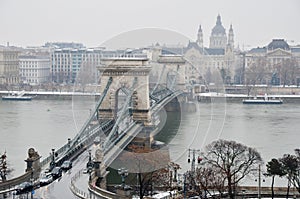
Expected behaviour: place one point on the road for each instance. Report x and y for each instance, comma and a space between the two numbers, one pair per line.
60, 187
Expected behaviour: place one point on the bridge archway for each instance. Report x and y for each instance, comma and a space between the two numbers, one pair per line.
124, 71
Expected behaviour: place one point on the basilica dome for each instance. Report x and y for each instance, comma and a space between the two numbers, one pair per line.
218, 29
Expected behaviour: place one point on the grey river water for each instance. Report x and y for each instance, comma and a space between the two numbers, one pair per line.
44, 124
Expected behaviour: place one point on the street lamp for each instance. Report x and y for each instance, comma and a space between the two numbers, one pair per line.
31, 181
199, 159
123, 173
259, 182
52, 163
90, 164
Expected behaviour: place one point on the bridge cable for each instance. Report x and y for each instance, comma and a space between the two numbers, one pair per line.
98, 104
159, 80
120, 118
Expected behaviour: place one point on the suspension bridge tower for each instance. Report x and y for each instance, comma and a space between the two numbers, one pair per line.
129, 77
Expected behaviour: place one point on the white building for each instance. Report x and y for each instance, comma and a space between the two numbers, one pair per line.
66, 64
34, 69
278, 63
9, 66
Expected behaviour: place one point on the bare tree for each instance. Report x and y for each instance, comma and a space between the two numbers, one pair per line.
287, 70
149, 165
274, 168
290, 167
233, 159
210, 179
256, 73
296, 177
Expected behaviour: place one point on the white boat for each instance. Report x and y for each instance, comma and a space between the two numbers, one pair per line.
265, 100
17, 97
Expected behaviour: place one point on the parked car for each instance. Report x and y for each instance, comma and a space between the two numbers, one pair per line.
47, 179
56, 173
24, 187
66, 165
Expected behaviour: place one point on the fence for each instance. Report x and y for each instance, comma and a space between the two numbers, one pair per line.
78, 192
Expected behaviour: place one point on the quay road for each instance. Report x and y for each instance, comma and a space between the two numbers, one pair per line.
60, 188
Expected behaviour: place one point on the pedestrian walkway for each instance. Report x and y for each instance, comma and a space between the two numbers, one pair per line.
79, 186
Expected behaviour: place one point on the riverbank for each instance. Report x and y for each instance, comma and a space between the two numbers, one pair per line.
52, 95
213, 96
202, 97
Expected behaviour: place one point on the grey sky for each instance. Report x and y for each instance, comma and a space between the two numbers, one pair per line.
91, 22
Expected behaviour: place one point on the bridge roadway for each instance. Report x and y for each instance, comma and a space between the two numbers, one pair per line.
60, 188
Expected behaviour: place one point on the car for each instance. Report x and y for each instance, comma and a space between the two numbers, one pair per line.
66, 165
24, 187
56, 172
47, 179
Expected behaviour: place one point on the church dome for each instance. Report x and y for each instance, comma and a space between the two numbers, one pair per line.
218, 29
278, 43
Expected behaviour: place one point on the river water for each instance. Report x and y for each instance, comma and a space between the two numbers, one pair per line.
45, 124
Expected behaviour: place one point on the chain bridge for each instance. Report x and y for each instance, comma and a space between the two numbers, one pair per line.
127, 109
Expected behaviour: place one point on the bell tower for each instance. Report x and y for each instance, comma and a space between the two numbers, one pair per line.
200, 37
231, 37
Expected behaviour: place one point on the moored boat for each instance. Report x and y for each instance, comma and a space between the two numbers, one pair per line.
17, 97
265, 100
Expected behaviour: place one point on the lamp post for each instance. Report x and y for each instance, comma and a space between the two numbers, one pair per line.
259, 182
31, 181
90, 165
52, 163
123, 173
193, 166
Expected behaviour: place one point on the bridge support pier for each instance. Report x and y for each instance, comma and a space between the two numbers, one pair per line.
144, 138
100, 172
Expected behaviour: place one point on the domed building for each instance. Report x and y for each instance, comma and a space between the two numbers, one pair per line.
218, 56
203, 61
218, 38
278, 44
276, 64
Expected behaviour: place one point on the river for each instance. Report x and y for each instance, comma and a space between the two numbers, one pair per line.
45, 124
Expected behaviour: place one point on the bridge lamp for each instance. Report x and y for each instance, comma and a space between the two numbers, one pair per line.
52, 163
90, 163
123, 173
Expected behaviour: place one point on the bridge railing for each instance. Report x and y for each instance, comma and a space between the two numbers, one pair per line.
48, 159
11, 183
77, 191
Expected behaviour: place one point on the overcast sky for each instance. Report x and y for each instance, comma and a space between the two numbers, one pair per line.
92, 22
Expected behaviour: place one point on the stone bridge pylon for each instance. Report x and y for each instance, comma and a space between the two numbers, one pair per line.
125, 73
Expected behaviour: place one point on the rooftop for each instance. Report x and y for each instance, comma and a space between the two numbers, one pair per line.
278, 43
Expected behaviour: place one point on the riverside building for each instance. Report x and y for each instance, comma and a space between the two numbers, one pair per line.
34, 69
9, 66
274, 64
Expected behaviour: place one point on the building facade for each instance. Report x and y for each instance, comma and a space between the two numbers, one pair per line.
69, 65
34, 69
9, 66
220, 57
278, 63
204, 64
